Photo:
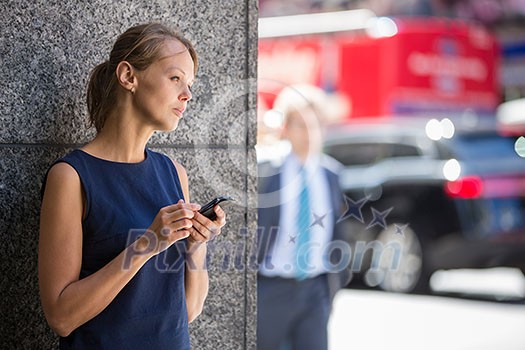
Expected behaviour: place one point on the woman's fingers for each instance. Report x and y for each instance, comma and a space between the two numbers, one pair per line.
181, 220
180, 210
199, 231
181, 205
203, 229
173, 223
178, 235
221, 216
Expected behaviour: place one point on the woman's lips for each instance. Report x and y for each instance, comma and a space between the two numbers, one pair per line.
179, 112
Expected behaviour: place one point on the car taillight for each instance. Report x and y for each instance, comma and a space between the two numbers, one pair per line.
466, 187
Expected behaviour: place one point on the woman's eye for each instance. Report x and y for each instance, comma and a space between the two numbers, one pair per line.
176, 78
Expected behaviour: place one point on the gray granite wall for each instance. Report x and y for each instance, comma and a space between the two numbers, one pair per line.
47, 48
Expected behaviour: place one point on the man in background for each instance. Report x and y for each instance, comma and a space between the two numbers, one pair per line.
299, 206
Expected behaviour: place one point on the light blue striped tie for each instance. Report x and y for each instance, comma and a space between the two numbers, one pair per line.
303, 229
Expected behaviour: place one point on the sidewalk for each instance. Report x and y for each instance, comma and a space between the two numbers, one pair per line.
372, 320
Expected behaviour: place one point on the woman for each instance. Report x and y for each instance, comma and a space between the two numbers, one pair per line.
122, 250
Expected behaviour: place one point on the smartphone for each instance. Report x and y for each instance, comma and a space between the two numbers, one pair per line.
207, 209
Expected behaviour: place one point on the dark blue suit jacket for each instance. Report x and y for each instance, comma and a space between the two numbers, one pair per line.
269, 214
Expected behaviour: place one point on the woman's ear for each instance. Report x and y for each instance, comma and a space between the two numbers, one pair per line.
126, 76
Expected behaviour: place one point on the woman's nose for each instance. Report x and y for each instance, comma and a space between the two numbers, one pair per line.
186, 95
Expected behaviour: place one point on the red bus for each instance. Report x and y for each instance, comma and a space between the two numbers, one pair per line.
383, 66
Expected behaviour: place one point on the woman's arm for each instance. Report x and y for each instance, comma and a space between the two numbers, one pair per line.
203, 229
67, 301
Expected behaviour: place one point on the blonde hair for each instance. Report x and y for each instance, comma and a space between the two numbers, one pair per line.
140, 46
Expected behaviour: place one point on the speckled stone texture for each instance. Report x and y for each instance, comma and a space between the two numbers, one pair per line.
47, 49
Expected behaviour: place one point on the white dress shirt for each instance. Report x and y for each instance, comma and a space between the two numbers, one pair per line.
283, 255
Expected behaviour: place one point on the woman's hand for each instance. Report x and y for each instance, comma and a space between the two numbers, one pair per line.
203, 229
172, 223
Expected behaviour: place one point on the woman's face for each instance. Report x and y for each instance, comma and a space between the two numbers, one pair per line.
163, 89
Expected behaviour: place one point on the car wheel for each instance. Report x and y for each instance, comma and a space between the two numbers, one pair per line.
398, 265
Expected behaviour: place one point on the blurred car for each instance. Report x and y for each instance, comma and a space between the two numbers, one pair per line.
428, 196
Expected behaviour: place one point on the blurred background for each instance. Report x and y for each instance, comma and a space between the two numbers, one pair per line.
426, 112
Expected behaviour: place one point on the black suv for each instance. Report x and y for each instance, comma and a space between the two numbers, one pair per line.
424, 197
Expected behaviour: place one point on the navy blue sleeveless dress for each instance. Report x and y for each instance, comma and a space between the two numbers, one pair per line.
122, 200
